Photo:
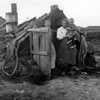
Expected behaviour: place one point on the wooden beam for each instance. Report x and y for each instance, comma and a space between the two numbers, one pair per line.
44, 53
39, 30
23, 38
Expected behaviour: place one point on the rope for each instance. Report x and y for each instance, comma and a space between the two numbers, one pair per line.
16, 66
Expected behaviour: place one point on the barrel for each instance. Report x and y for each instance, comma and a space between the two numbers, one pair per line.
11, 21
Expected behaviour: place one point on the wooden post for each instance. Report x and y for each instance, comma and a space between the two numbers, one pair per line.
45, 45
52, 50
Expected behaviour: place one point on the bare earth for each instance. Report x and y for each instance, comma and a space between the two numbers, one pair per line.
62, 88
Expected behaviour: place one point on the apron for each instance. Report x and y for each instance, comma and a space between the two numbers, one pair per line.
67, 52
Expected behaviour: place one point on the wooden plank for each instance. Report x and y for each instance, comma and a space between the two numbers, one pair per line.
36, 46
22, 35
31, 44
48, 48
44, 60
40, 30
23, 38
52, 52
41, 53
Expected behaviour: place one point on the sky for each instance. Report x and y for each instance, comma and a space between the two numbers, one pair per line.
84, 12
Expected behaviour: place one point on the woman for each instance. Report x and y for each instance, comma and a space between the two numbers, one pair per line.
67, 49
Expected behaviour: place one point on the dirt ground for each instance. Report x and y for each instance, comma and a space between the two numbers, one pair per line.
85, 87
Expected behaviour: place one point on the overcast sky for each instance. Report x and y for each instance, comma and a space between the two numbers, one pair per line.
85, 12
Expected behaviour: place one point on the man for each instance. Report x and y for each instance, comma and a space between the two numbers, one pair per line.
67, 49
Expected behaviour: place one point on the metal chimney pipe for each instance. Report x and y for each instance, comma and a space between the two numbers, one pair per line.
14, 8
12, 19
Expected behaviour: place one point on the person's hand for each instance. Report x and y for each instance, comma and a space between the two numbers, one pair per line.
69, 35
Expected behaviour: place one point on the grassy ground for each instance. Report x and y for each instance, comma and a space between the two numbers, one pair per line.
62, 88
